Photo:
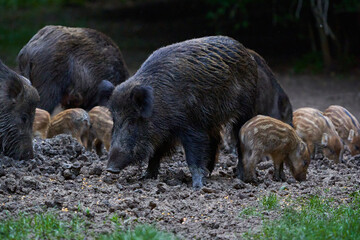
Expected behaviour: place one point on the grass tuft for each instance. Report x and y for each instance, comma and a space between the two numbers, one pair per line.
314, 218
270, 202
49, 226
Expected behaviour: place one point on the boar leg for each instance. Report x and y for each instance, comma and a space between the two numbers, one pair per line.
240, 166
278, 159
279, 174
311, 148
98, 146
152, 170
215, 140
84, 139
197, 151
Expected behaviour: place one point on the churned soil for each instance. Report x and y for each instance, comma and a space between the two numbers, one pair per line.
65, 178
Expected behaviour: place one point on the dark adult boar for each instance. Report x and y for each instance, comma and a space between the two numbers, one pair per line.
271, 100
77, 67
183, 92
18, 102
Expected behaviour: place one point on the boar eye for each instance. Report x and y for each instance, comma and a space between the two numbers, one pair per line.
357, 147
24, 118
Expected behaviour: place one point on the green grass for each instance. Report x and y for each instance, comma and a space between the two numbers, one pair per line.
49, 226
250, 211
270, 202
314, 218
139, 233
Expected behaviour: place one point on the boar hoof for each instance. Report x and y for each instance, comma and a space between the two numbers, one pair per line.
282, 177
149, 175
197, 186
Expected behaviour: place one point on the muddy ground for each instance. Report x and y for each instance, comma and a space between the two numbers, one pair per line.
65, 178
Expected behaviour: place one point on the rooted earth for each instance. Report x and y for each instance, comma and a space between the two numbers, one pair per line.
65, 178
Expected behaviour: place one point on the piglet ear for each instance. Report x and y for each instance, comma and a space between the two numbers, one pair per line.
325, 139
351, 135
143, 98
15, 88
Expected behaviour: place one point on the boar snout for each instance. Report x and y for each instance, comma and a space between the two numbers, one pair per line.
27, 155
117, 161
300, 176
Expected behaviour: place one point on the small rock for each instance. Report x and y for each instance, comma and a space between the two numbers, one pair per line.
138, 191
152, 204
135, 186
184, 195
66, 165
29, 182
238, 184
49, 203
2, 172
108, 179
11, 184
161, 188
83, 158
119, 186
67, 174
208, 190
97, 170
242, 196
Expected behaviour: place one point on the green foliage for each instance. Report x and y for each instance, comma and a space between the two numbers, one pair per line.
41, 226
315, 218
141, 232
232, 12
310, 62
270, 202
19, 25
49, 226
249, 211
347, 6
17, 4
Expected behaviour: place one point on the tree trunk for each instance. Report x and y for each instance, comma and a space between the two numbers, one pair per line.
312, 38
319, 10
325, 49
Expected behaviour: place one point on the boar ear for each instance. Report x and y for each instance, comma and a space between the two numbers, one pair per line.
15, 89
143, 98
351, 135
324, 139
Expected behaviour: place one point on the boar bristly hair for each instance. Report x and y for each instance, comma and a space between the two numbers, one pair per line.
18, 102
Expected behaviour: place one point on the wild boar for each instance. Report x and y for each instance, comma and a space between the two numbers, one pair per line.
318, 132
101, 124
271, 100
265, 136
183, 92
41, 123
74, 67
73, 121
18, 102
346, 125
